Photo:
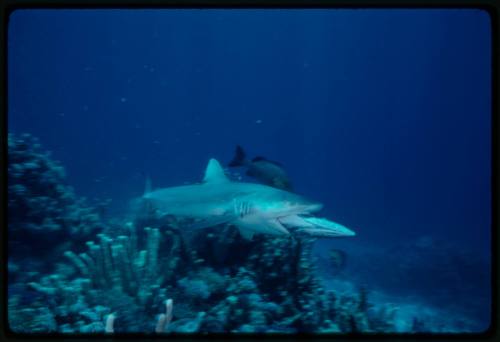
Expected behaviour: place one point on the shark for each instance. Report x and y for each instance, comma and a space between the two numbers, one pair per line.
252, 208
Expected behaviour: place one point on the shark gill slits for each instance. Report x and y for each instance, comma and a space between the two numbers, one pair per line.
241, 209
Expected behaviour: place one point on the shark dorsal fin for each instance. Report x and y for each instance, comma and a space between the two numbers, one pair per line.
214, 173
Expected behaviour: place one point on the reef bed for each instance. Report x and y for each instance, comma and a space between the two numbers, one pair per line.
140, 276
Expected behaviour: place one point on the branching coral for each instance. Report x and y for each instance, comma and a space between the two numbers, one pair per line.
113, 274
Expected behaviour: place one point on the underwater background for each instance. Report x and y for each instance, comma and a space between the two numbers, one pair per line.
384, 116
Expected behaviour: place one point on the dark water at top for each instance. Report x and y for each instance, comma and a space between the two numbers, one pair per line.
382, 115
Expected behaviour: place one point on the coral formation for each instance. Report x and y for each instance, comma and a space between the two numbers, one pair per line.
125, 278
273, 290
43, 210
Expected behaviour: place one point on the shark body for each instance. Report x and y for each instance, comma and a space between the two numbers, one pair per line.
252, 208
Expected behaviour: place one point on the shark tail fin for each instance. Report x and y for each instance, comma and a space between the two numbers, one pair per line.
239, 158
148, 187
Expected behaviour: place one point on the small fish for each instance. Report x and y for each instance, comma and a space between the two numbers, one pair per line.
337, 259
265, 171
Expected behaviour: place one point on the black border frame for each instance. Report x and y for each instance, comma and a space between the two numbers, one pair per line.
490, 6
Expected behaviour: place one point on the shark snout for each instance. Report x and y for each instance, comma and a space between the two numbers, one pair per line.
323, 227
342, 232
313, 207
307, 208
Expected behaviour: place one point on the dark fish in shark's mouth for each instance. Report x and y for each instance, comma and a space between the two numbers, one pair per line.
265, 171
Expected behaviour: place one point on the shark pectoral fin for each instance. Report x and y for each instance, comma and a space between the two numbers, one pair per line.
245, 233
246, 229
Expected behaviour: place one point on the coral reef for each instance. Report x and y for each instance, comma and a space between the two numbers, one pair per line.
126, 277
43, 210
132, 276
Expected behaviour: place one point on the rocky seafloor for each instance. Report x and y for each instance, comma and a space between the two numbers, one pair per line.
96, 275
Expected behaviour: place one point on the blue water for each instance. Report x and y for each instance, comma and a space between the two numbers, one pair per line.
382, 115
